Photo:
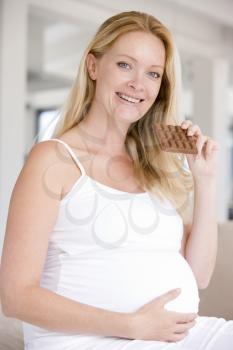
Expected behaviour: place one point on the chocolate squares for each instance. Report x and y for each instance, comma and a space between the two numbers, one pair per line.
172, 138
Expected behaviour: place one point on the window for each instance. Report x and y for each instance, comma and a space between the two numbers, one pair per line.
46, 122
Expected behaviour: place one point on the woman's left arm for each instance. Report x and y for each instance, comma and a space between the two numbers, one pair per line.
201, 245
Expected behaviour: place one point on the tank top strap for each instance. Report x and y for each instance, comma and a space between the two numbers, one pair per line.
72, 154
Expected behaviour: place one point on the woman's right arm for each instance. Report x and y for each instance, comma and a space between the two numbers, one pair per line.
32, 214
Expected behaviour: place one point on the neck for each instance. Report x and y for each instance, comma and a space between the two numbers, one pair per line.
103, 133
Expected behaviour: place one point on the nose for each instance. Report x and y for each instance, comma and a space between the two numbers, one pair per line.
136, 84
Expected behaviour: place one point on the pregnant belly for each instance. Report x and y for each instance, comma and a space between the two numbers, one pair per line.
125, 283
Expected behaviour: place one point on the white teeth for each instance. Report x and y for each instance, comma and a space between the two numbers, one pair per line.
128, 98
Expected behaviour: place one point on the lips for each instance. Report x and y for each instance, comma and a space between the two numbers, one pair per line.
129, 98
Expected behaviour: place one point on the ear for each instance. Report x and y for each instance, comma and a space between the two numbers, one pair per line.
91, 63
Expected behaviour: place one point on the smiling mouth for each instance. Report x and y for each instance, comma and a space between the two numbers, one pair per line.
130, 99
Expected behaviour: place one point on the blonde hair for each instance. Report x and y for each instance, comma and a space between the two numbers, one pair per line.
159, 172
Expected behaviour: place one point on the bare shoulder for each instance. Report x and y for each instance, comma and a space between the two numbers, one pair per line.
46, 161
44, 151
52, 159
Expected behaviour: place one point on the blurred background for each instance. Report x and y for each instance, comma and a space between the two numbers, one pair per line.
41, 43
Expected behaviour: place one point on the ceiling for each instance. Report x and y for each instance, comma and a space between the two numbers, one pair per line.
56, 41
218, 10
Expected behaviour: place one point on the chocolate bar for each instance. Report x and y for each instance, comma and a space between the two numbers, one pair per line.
172, 138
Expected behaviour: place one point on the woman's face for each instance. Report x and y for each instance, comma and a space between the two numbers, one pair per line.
128, 76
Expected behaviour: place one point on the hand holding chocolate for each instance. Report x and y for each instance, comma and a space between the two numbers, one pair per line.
172, 138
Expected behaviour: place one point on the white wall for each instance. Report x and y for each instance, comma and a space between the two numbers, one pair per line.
13, 34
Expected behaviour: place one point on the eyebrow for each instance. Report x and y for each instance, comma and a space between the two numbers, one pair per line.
134, 59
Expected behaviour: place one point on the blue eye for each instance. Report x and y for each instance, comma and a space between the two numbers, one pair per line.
156, 75
125, 65
122, 64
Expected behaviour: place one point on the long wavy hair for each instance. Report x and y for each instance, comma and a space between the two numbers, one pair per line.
159, 172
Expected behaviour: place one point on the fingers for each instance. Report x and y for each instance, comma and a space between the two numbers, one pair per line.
181, 331
186, 123
161, 324
184, 327
191, 129
207, 145
203, 142
184, 318
178, 337
194, 130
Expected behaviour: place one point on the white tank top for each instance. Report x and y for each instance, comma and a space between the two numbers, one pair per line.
115, 250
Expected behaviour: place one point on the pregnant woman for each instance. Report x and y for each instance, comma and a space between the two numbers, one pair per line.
108, 237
